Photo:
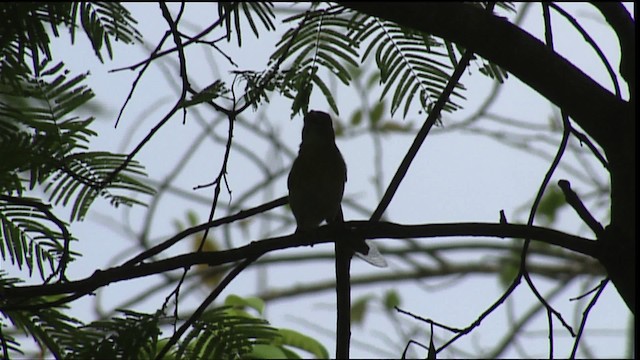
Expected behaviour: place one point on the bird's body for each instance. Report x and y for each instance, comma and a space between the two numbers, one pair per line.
316, 184
318, 175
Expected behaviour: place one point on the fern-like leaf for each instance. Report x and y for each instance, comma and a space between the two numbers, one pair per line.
49, 327
31, 235
25, 33
409, 61
102, 21
222, 333
230, 13
83, 178
319, 41
51, 153
133, 336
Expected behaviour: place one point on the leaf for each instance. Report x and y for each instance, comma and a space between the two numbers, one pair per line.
243, 302
356, 117
262, 351
359, 308
394, 126
408, 61
213, 91
28, 233
321, 40
494, 71
222, 333
131, 336
376, 113
106, 20
230, 13
509, 268
391, 300
50, 328
50, 149
550, 204
327, 94
303, 342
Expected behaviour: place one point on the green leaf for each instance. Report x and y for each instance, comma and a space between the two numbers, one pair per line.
50, 328
230, 14
244, 302
376, 113
132, 336
223, 333
550, 204
356, 117
359, 309
263, 351
303, 342
48, 148
509, 269
106, 20
394, 126
213, 91
409, 61
321, 40
29, 231
327, 94
391, 299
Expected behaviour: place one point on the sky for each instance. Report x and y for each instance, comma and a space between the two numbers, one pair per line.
438, 188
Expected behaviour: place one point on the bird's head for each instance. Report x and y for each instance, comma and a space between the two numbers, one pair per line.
318, 127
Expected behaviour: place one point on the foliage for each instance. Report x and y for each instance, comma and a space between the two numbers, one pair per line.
28, 235
230, 13
47, 169
43, 144
415, 64
226, 332
24, 33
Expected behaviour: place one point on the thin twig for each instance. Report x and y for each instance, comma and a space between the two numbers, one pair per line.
243, 214
139, 76
429, 321
167, 52
589, 40
421, 136
572, 199
554, 164
583, 323
196, 314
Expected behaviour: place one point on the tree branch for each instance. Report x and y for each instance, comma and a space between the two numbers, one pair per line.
518, 52
625, 27
324, 234
607, 119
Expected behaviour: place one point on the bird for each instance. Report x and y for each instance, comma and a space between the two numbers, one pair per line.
316, 184
318, 175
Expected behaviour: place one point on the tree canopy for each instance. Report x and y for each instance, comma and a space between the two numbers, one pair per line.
210, 96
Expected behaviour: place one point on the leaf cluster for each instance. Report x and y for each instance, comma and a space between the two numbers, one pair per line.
416, 65
132, 336
232, 14
24, 39
224, 332
43, 143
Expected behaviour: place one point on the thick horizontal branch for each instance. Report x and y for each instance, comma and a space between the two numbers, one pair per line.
386, 230
521, 54
324, 234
